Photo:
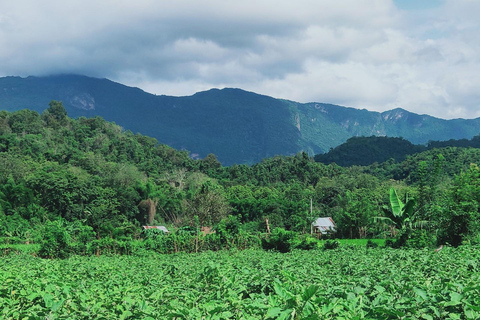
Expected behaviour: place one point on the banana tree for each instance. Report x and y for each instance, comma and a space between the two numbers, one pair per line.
401, 216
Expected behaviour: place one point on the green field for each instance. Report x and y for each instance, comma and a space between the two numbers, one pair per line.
351, 282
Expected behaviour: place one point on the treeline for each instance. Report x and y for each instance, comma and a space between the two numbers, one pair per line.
90, 181
364, 151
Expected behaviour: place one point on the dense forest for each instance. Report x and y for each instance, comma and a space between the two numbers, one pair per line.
364, 151
86, 180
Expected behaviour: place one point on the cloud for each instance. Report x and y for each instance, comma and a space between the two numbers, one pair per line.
361, 53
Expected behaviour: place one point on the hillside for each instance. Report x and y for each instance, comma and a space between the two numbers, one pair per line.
363, 151
87, 174
235, 125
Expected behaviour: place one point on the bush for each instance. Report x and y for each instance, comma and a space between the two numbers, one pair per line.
280, 240
331, 244
306, 242
55, 242
252, 227
414, 239
419, 239
228, 228
371, 244
389, 243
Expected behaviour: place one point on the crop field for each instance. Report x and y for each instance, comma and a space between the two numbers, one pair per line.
351, 282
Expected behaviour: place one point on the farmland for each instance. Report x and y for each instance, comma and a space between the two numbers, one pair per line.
350, 282
75, 193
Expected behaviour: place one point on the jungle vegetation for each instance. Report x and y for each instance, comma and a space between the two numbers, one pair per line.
86, 185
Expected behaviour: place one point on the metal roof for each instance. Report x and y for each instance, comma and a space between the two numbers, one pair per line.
324, 225
163, 228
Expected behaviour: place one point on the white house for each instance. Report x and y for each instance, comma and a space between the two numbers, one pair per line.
324, 226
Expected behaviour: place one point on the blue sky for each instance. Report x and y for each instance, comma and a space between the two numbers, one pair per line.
423, 56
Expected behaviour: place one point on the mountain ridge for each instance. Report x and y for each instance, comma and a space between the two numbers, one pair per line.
237, 126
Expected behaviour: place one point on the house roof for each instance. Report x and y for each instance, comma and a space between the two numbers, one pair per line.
162, 228
324, 225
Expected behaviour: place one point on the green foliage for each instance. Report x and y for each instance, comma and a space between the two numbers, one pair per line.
460, 219
207, 202
363, 151
347, 283
371, 244
280, 240
306, 242
401, 212
228, 228
331, 244
401, 215
104, 183
55, 242
419, 239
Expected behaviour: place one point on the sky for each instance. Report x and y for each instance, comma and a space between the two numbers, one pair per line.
420, 55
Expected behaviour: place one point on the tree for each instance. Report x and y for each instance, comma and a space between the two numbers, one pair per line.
208, 203
401, 215
55, 242
210, 164
356, 215
14, 195
25, 121
148, 206
460, 220
55, 115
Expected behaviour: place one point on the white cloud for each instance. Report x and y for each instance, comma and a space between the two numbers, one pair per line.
360, 53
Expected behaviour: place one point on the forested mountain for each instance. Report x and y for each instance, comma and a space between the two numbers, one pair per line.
235, 125
364, 151
88, 174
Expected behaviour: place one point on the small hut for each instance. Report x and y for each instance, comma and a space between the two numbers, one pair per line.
161, 228
323, 226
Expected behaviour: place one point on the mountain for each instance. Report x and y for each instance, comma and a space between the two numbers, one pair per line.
235, 125
364, 151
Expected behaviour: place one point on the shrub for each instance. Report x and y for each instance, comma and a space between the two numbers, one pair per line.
414, 238
419, 239
331, 244
371, 244
55, 242
280, 240
389, 243
228, 228
306, 242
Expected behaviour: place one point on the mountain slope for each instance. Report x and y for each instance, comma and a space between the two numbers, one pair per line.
235, 125
364, 151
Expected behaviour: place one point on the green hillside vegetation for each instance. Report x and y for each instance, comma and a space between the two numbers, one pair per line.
86, 186
364, 151
239, 127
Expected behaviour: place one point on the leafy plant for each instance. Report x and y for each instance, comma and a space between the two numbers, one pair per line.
55, 242
331, 244
280, 240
